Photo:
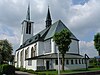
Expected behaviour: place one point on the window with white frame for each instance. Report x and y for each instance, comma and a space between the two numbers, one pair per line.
29, 62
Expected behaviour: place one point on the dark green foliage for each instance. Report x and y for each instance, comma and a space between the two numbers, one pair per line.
8, 69
5, 51
97, 42
23, 69
31, 71
62, 40
17, 69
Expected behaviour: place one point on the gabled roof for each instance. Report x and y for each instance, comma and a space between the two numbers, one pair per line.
47, 33
57, 27
39, 36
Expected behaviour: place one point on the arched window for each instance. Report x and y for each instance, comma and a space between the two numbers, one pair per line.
26, 53
32, 50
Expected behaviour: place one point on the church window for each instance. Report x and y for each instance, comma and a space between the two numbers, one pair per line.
29, 62
26, 53
67, 61
72, 62
76, 61
32, 52
82, 61
79, 61
56, 62
27, 28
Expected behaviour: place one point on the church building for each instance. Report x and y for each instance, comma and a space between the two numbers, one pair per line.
39, 51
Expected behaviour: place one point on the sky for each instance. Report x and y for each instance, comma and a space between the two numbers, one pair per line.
82, 17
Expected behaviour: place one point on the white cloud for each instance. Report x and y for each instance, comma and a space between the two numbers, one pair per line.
88, 48
83, 20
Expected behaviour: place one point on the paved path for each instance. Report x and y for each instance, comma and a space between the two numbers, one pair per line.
22, 73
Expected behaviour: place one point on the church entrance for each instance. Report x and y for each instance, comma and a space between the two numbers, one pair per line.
47, 65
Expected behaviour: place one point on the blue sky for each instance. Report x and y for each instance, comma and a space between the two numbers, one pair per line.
82, 17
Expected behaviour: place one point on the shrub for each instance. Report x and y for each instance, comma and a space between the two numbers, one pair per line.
23, 69
17, 69
30, 71
8, 69
1, 69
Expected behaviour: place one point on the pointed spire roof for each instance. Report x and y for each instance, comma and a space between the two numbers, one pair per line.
48, 18
48, 15
28, 13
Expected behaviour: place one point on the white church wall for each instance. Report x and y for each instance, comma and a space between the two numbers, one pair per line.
40, 62
70, 66
31, 64
47, 46
40, 48
74, 47
74, 65
16, 58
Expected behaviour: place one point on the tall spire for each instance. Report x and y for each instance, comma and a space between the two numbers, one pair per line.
28, 13
48, 19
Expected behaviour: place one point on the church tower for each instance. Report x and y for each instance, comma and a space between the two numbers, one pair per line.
27, 28
48, 18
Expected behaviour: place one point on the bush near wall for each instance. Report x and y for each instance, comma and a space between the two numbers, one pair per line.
7, 69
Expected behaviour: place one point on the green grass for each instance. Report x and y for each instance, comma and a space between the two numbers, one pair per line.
67, 71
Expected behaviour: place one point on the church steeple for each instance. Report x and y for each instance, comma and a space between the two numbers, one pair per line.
28, 13
27, 27
48, 18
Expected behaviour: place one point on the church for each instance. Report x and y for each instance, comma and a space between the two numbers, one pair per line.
39, 51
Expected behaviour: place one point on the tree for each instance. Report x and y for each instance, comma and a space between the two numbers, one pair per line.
97, 42
5, 51
62, 40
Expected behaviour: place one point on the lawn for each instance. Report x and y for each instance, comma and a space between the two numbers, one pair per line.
68, 71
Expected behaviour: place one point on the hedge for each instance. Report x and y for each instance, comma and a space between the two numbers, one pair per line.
7, 69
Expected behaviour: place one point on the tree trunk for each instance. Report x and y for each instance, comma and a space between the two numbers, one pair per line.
63, 60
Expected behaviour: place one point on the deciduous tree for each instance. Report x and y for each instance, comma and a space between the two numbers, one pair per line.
97, 42
63, 40
5, 51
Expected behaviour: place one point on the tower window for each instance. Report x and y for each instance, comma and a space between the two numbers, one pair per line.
28, 28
